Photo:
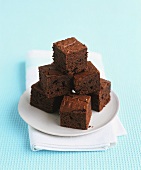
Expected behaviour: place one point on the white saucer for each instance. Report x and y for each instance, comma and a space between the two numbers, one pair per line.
50, 123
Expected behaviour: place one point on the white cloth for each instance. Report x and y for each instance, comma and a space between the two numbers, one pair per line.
99, 140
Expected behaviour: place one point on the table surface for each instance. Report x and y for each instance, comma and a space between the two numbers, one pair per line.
111, 28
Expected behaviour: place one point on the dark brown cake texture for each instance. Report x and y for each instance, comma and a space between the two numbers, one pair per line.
75, 111
87, 81
70, 71
70, 56
39, 99
53, 82
101, 98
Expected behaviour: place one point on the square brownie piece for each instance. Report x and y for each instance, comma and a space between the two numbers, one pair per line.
53, 82
100, 99
41, 101
70, 56
88, 81
75, 111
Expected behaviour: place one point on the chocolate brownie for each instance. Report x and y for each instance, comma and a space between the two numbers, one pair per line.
70, 56
88, 81
39, 99
100, 99
75, 111
53, 82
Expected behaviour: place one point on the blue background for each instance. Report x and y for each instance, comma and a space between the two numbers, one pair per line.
112, 28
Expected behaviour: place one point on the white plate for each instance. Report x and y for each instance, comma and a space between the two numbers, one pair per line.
50, 123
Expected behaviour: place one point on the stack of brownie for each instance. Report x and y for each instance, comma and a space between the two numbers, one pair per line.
71, 84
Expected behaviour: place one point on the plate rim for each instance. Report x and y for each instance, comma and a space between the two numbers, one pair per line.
84, 132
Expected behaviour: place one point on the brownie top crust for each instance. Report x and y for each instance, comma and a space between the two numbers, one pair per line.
104, 83
49, 70
37, 87
74, 103
69, 45
89, 70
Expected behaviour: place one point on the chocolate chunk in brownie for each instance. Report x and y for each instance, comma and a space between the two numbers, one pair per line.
41, 101
75, 111
53, 82
70, 56
88, 81
100, 99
